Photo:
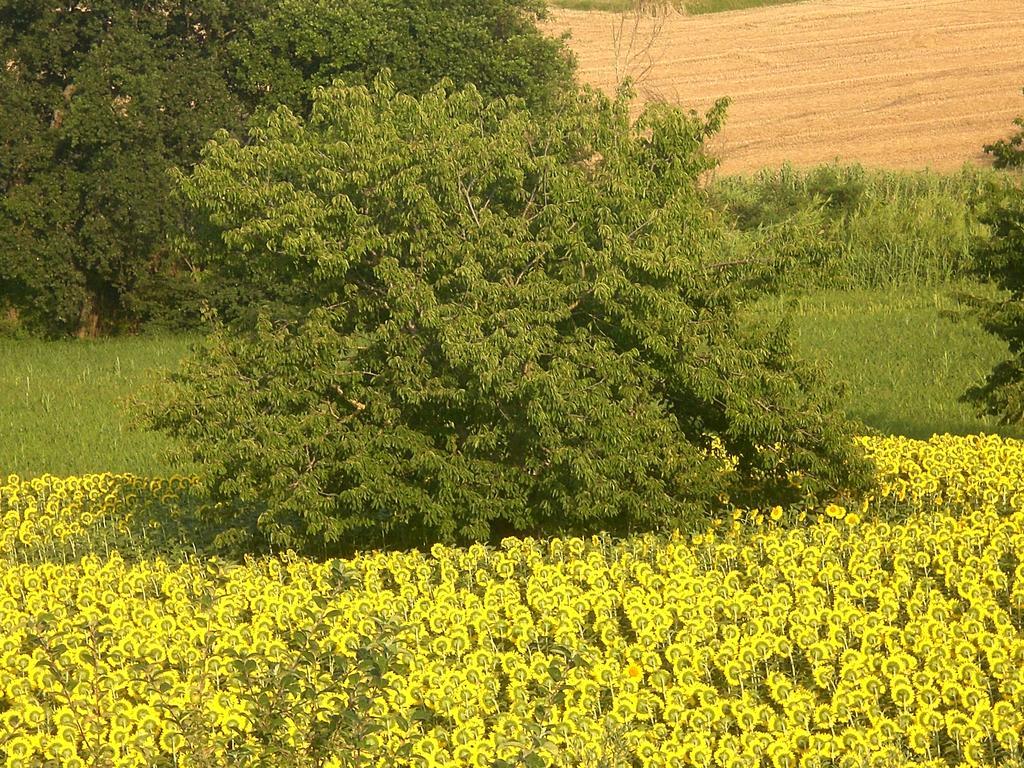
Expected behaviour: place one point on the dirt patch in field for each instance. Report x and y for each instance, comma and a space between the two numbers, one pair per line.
897, 84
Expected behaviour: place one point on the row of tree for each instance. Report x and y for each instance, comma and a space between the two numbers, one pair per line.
100, 100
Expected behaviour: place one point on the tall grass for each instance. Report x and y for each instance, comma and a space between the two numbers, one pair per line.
61, 405
905, 355
845, 227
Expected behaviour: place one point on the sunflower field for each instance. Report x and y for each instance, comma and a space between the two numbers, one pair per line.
889, 634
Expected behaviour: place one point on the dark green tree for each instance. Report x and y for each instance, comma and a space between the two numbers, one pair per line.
494, 44
99, 100
1001, 261
513, 324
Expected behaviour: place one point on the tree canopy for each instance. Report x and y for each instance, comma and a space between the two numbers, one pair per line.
99, 100
511, 325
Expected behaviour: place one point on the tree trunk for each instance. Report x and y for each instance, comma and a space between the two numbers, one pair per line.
89, 320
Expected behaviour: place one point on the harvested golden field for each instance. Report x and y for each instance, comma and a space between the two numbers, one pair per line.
895, 84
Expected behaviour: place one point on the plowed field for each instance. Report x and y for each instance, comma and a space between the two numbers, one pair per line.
898, 84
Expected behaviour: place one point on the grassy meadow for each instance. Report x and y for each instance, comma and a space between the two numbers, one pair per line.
610, 6
717, 6
903, 355
62, 405
848, 227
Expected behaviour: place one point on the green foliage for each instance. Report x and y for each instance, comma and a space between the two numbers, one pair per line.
904, 354
99, 101
1009, 153
345, 732
845, 227
513, 324
621, 6
611, 6
60, 405
299, 45
1001, 261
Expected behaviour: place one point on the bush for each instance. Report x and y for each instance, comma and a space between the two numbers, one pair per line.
99, 100
512, 324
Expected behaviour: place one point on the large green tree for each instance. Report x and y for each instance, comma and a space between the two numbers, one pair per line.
512, 325
99, 100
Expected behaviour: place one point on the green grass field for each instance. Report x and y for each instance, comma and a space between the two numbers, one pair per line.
716, 6
904, 361
849, 227
61, 405
612, 6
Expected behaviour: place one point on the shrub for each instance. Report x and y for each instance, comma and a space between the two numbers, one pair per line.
99, 100
511, 324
